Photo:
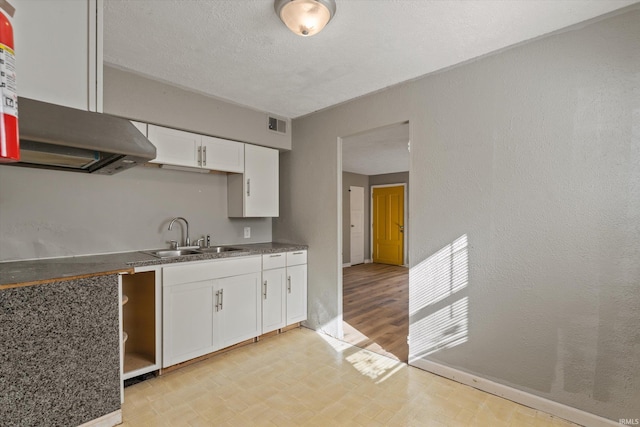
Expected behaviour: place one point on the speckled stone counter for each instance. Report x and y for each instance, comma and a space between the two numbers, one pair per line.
33, 272
43, 270
59, 357
273, 247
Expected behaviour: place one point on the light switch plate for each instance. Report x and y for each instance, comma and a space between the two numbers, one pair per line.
247, 232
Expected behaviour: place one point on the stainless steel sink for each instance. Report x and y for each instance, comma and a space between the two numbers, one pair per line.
217, 249
170, 253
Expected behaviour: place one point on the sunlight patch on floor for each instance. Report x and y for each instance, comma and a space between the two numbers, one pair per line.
368, 363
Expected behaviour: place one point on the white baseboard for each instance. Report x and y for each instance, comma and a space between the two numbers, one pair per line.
527, 399
109, 420
348, 264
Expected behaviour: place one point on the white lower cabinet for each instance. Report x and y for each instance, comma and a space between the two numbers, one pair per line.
296, 286
239, 310
284, 288
274, 299
209, 305
188, 321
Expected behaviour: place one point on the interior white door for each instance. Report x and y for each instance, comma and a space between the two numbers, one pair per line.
356, 196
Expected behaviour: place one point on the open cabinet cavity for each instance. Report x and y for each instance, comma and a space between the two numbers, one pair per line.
140, 323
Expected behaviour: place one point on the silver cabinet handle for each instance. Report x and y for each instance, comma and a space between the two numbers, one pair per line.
248, 186
199, 156
275, 256
217, 298
221, 296
265, 289
298, 253
289, 284
204, 156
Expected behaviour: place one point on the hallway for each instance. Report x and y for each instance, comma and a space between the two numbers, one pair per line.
376, 308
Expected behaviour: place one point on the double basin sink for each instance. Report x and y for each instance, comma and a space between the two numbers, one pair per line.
170, 253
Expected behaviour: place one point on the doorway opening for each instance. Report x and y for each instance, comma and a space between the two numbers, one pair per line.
375, 247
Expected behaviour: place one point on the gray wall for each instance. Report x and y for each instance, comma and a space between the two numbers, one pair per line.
390, 178
51, 213
136, 97
353, 179
533, 154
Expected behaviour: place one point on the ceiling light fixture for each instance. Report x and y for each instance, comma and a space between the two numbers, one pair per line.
305, 17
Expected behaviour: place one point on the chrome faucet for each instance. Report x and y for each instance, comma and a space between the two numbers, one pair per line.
187, 240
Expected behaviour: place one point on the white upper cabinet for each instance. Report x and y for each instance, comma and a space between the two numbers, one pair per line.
222, 154
174, 147
255, 193
192, 150
58, 48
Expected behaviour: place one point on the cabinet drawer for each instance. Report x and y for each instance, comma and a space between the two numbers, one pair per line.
296, 257
213, 269
270, 261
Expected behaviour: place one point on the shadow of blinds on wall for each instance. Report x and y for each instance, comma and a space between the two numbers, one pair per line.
438, 310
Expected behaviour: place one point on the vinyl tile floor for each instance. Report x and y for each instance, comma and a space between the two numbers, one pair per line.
303, 378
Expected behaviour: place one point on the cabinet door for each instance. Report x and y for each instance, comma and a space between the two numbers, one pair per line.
187, 321
239, 312
273, 300
260, 181
296, 293
222, 154
174, 147
58, 46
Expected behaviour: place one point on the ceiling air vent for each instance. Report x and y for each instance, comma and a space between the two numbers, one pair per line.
277, 125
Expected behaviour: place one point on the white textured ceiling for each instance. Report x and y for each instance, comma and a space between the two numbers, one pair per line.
238, 50
379, 151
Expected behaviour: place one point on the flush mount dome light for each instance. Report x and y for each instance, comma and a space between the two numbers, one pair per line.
305, 17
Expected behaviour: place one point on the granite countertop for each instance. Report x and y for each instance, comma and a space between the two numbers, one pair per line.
33, 272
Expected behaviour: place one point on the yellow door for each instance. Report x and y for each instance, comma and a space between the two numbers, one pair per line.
388, 225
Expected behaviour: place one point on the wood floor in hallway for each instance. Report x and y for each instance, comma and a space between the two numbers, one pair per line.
376, 308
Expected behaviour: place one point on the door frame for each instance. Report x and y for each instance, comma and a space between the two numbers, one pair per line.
364, 226
337, 323
405, 246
